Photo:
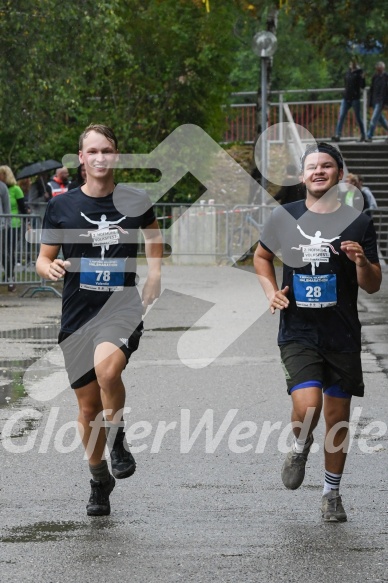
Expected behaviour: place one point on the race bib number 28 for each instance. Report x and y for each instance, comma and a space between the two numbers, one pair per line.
315, 291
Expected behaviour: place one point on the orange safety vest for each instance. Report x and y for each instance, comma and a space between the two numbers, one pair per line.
57, 187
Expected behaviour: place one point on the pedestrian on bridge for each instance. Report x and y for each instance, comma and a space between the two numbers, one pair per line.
354, 83
378, 98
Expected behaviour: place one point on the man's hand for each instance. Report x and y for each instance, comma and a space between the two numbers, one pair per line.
279, 300
57, 269
354, 252
151, 290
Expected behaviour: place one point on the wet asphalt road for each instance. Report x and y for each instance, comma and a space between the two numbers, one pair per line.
209, 509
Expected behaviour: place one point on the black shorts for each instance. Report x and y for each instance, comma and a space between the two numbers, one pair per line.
78, 350
302, 364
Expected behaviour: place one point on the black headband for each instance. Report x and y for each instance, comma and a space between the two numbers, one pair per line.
326, 149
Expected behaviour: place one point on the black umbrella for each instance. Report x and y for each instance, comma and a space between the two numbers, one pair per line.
38, 168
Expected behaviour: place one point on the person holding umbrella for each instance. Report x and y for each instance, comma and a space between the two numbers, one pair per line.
39, 193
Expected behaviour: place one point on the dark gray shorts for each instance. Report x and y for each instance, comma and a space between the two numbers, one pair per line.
78, 350
302, 364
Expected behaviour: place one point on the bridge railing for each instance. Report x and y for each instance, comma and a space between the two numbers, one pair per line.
315, 109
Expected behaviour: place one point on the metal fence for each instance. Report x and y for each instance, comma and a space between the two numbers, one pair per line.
196, 233
317, 110
19, 250
204, 234
380, 220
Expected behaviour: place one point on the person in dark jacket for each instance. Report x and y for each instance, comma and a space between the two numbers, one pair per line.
354, 83
79, 179
292, 188
378, 97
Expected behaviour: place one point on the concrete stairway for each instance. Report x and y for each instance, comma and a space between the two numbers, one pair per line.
371, 161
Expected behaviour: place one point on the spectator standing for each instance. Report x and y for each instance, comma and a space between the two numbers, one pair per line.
18, 207
351, 195
25, 185
80, 177
292, 189
59, 183
354, 83
378, 97
5, 209
39, 194
368, 196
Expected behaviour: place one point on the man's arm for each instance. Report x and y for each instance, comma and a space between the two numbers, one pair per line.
154, 253
368, 274
47, 264
265, 271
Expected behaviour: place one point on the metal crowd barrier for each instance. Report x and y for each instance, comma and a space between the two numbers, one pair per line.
194, 233
245, 225
380, 220
18, 255
210, 233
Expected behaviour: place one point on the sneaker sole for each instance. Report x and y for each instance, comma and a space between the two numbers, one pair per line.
97, 512
334, 519
124, 474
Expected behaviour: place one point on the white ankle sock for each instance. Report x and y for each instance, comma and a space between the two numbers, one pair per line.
332, 482
300, 444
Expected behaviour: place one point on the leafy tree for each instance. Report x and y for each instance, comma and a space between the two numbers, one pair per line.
143, 68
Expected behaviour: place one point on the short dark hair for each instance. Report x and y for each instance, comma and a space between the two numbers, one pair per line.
100, 129
325, 148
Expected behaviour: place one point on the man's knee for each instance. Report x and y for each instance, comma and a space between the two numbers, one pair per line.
337, 412
108, 373
89, 411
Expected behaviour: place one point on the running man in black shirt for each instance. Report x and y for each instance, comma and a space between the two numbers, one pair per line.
102, 311
328, 251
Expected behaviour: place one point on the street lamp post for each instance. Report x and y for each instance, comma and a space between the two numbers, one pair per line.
264, 45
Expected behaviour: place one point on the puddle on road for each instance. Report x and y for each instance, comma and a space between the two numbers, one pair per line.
48, 333
12, 371
41, 532
53, 531
177, 329
11, 380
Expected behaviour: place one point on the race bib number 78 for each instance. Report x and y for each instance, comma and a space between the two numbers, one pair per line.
102, 274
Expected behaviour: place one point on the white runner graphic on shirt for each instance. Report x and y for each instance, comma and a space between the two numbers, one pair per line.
104, 237
318, 251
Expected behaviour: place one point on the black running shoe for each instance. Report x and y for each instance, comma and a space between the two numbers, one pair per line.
123, 462
99, 504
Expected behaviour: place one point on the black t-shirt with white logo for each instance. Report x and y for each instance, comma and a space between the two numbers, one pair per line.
101, 244
323, 282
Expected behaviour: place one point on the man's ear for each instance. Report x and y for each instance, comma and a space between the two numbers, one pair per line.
340, 174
